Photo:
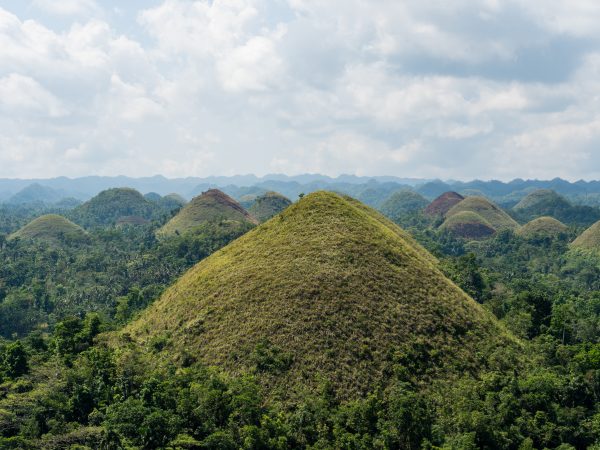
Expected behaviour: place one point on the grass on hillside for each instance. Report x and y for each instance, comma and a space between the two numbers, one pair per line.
268, 205
327, 289
468, 225
542, 226
496, 217
211, 206
50, 227
589, 239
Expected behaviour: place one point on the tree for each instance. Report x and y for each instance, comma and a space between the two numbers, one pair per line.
14, 360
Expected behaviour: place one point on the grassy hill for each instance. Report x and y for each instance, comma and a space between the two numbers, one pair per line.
329, 289
50, 228
491, 213
401, 203
589, 239
212, 206
468, 225
267, 205
441, 205
541, 199
546, 202
542, 226
109, 206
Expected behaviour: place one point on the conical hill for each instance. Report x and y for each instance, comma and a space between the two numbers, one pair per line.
493, 215
110, 205
589, 239
542, 227
402, 203
441, 205
213, 205
50, 228
329, 289
468, 225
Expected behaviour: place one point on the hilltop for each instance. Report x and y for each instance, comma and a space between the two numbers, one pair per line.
542, 226
267, 205
541, 200
328, 289
50, 228
491, 213
401, 203
546, 202
212, 206
441, 205
468, 225
589, 239
109, 206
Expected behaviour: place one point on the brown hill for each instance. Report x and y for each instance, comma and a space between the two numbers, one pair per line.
441, 205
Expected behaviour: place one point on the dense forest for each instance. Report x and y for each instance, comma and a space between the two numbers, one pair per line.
75, 374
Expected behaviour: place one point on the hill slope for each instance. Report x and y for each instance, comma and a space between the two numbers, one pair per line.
110, 205
441, 205
468, 225
542, 226
589, 239
402, 203
492, 214
328, 288
542, 199
50, 228
267, 205
213, 205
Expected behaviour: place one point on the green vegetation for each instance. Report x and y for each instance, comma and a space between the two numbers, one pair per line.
492, 214
268, 205
325, 274
51, 228
212, 206
589, 239
542, 227
444, 203
109, 206
468, 225
401, 204
546, 202
329, 328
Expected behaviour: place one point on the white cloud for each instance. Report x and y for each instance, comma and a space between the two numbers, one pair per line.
67, 7
19, 94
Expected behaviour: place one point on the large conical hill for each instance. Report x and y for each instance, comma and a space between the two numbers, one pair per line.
50, 228
328, 289
542, 200
491, 213
109, 206
268, 205
211, 206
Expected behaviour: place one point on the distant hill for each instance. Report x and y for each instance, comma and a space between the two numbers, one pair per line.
491, 213
468, 225
442, 204
589, 239
36, 193
267, 205
331, 291
433, 189
542, 227
401, 203
213, 205
109, 206
50, 228
546, 202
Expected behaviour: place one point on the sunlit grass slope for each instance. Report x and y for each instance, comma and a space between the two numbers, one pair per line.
542, 226
328, 289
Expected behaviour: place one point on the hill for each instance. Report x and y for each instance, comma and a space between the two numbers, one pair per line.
50, 228
329, 289
441, 205
268, 205
589, 239
542, 226
492, 214
468, 225
212, 206
542, 199
546, 202
109, 206
401, 203
35, 193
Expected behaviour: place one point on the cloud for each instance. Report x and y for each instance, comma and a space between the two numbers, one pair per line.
457, 89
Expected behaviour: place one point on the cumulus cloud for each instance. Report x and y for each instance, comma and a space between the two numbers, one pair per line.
456, 89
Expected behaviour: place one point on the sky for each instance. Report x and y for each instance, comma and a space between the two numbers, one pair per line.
451, 89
